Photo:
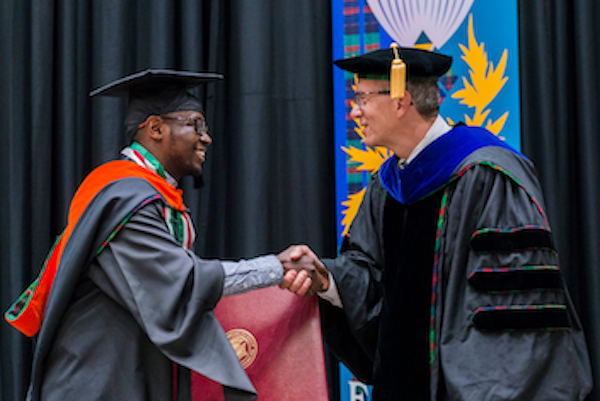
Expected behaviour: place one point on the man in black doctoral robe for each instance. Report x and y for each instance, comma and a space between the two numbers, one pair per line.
448, 285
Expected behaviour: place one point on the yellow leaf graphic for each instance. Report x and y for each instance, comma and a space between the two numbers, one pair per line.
497, 126
352, 206
484, 83
477, 119
370, 159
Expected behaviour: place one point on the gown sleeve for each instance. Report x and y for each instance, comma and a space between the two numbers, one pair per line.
352, 332
170, 292
508, 328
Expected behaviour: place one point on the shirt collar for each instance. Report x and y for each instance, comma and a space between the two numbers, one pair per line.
437, 129
142, 157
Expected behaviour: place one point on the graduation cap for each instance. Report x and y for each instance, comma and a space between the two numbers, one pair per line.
156, 92
395, 64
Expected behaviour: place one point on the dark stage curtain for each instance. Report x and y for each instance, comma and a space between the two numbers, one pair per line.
269, 172
268, 180
560, 87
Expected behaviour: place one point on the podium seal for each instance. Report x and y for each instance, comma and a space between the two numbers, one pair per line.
245, 346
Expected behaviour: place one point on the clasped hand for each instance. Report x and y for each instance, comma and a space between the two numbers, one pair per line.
303, 272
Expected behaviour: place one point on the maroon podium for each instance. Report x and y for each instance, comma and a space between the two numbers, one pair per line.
277, 336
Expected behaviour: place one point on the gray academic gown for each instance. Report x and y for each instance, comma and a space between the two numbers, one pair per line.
115, 325
457, 296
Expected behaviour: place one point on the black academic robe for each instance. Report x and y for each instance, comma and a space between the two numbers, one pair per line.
130, 322
451, 290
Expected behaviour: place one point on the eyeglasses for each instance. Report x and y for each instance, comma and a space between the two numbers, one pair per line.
199, 123
361, 102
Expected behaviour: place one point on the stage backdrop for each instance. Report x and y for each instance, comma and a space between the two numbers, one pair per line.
481, 88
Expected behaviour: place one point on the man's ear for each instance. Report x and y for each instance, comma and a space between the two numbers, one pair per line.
155, 127
402, 105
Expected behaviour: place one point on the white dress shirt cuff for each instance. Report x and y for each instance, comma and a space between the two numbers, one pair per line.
332, 295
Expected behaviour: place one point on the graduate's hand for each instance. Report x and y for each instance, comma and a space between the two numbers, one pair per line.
300, 273
320, 281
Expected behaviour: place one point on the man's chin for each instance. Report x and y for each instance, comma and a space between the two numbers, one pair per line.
196, 170
370, 143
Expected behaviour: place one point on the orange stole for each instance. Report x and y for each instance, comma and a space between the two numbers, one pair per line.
277, 336
27, 313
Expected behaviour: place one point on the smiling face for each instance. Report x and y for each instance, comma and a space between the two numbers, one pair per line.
183, 149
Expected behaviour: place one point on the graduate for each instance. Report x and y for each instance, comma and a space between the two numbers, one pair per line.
122, 309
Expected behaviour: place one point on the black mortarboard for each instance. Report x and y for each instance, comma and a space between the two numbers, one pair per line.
395, 64
418, 62
156, 92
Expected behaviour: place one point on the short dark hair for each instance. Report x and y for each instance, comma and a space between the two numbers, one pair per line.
426, 95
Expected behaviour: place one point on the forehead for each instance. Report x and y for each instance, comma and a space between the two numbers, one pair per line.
370, 85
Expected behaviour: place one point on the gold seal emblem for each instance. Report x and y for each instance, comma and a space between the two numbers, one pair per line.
245, 346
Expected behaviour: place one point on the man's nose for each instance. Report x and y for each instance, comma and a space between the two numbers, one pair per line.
356, 111
205, 138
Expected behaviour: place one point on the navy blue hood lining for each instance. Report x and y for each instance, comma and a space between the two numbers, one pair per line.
436, 164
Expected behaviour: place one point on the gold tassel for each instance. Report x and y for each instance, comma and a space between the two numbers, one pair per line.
397, 75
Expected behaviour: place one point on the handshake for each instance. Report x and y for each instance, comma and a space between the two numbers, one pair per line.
303, 272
